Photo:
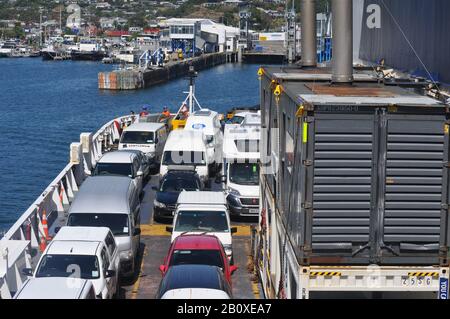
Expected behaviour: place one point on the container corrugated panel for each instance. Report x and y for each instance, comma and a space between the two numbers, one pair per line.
415, 156
343, 176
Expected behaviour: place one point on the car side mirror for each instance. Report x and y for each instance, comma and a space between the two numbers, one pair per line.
162, 269
57, 229
27, 272
233, 268
110, 273
89, 173
169, 229
139, 173
137, 232
156, 140
233, 230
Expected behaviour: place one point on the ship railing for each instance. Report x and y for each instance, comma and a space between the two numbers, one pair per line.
22, 244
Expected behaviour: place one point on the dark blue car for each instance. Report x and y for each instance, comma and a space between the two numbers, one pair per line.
170, 186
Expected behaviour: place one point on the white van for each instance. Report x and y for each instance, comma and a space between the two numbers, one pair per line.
82, 252
241, 156
148, 138
208, 122
184, 147
203, 212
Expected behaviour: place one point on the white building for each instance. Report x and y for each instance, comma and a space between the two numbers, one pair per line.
186, 28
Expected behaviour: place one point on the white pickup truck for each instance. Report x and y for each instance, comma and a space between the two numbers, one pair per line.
204, 212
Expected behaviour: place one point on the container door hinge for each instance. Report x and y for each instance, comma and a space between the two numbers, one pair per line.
309, 119
307, 162
444, 206
306, 205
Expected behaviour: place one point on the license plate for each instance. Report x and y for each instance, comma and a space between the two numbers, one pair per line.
253, 211
413, 281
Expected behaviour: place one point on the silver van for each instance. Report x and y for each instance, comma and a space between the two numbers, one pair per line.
111, 201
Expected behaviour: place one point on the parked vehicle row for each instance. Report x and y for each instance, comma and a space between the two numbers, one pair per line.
99, 243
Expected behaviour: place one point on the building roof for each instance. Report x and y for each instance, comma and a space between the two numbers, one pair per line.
197, 242
103, 194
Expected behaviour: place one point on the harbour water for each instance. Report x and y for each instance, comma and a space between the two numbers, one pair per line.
44, 106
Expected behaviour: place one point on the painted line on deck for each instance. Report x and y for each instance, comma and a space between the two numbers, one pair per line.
254, 283
135, 290
160, 230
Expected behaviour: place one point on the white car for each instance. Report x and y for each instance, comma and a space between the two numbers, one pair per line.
56, 288
82, 252
204, 212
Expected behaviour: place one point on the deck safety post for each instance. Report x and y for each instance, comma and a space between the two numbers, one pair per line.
86, 145
303, 287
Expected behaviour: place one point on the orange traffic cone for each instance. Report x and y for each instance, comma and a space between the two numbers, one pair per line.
61, 193
45, 226
42, 244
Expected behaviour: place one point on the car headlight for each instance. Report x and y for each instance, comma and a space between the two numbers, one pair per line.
233, 191
228, 250
158, 204
127, 254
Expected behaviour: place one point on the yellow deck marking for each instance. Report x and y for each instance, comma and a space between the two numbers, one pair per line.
154, 230
160, 230
135, 290
242, 231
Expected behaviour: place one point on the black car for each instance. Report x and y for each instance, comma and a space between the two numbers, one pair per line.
193, 277
170, 186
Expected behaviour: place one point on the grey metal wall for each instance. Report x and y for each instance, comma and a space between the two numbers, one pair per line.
425, 24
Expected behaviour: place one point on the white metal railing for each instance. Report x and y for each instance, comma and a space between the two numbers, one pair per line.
25, 236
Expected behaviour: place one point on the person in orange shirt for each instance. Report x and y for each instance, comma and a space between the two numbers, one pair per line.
166, 112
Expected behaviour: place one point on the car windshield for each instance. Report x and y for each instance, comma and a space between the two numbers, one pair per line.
179, 184
184, 158
122, 169
197, 257
76, 266
118, 223
235, 120
131, 137
244, 173
201, 221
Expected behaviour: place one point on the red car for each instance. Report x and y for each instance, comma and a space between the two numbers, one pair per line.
198, 250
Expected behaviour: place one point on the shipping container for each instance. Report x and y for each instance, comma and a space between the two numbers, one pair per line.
355, 178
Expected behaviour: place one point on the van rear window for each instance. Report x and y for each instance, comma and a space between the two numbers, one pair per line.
130, 137
184, 158
118, 223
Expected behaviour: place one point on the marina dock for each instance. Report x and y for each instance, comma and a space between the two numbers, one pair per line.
134, 79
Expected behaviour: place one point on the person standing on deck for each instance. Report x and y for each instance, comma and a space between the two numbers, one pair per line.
166, 112
144, 111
